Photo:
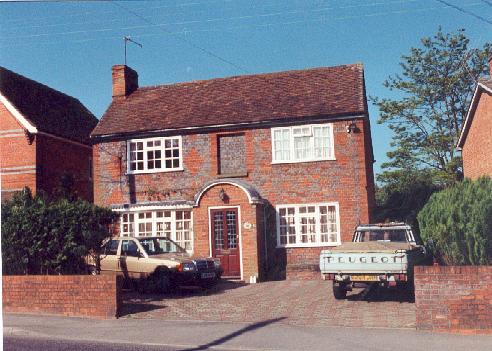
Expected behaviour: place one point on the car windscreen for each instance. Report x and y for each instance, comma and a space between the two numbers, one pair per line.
391, 235
156, 246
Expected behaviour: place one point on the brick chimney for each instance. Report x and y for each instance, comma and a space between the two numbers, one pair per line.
125, 81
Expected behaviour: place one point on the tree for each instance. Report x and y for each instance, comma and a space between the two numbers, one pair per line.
41, 236
435, 89
458, 220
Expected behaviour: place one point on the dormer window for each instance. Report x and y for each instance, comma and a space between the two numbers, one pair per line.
304, 143
155, 155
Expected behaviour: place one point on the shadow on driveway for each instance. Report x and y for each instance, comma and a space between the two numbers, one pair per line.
374, 293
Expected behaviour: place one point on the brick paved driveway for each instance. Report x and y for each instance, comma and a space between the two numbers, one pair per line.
296, 302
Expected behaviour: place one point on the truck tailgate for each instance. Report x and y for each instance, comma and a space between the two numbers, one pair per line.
363, 262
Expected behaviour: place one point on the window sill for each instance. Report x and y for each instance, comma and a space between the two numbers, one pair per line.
294, 246
233, 175
156, 171
302, 161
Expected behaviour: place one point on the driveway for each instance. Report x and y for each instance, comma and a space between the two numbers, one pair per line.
293, 302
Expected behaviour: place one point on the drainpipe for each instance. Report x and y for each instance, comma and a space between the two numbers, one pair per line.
265, 237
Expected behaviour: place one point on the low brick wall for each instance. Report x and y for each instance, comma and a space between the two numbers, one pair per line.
68, 295
454, 299
302, 272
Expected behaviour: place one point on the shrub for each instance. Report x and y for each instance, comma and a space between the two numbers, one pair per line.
458, 220
50, 237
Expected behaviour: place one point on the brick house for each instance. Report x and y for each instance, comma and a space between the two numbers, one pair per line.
263, 171
475, 141
44, 138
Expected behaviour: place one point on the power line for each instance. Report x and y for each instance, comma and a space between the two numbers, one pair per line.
227, 29
190, 43
272, 14
460, 9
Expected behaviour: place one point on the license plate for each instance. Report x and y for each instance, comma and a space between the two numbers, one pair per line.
364, 278
208, 275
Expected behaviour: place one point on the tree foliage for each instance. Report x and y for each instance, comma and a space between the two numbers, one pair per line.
434, 89
403, 198
459, 222
40, 236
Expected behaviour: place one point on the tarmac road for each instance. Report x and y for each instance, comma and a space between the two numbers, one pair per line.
55, 333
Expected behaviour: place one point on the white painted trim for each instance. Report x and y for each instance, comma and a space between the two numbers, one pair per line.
18, 168
239, 224
219, 182
291, 143
140, 208
32, 171
459, 145
9, 131
163, 158
317, 244
319, 120
484, 87
18, 116
19, 135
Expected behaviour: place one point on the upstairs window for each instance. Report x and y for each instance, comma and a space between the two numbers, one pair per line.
155, 155
302, 143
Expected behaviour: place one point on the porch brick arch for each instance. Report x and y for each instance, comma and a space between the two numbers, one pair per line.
238, 195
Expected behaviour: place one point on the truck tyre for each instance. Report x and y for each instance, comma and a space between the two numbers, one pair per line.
339, 291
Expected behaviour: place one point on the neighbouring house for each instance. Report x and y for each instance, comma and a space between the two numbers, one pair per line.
475, 141
263, 171
44, 138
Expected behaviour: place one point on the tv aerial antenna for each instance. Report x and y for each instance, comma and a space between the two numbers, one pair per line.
127, 39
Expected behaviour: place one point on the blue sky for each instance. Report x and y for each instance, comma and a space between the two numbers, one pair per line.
71, 46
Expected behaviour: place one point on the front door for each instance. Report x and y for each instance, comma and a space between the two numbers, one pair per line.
225, 240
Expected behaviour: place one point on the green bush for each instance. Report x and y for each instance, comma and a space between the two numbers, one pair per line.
40, 236
458, 220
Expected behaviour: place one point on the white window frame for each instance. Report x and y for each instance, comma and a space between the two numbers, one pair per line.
154, 220
163, 158
297, 224
292, 158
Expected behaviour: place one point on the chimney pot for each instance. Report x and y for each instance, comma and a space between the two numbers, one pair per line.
125, 81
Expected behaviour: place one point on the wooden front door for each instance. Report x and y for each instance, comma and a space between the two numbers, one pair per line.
225, 240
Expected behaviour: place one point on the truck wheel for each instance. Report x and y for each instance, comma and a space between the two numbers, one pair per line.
339, 291
92, 270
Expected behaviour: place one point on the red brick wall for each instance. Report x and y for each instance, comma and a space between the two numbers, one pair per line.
15, 152
347, 180
477, 150
41, 164
57, 157
70, 295
454, 299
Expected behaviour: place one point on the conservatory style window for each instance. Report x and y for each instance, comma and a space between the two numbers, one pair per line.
308, 225
305, 143
155, 155
173, 224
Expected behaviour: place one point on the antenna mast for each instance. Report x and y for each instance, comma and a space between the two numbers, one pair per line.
127, 39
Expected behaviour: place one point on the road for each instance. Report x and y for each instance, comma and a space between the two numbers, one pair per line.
150, 334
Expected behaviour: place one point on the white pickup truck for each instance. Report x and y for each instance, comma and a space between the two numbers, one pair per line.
379, 253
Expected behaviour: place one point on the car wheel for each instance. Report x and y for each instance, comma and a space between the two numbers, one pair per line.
162, 282
92, 270
339, 291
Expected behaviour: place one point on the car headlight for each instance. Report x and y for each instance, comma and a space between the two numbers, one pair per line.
188, 266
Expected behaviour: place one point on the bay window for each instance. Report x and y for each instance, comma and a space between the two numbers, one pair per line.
308, 225
173, 224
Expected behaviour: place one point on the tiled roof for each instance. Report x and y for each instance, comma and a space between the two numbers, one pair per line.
49, 110
290, 95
